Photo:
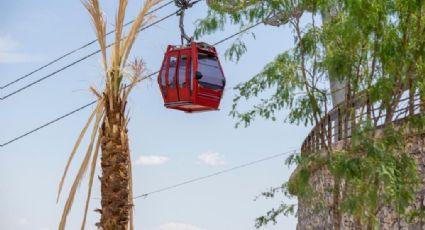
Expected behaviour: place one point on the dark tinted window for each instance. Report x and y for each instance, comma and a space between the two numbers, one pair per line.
212, 76
172, 72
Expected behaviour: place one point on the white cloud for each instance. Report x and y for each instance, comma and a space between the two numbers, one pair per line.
7, 43
212, 158
8, 53
151, 160
179, 226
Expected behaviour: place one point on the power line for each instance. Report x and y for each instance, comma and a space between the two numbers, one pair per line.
47, 124
85, 106
77, 61
214, 174
240, 32
61, 117
75, 50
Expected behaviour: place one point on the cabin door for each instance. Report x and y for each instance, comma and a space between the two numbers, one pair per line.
184, 78
172, 95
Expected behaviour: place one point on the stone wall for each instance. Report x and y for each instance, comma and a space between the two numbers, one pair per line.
311, 218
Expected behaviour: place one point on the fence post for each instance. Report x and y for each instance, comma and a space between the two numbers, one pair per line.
329, 136
411, 98
339, 124
317, 137
323, 133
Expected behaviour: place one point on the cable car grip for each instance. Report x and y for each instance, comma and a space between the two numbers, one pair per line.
184, 5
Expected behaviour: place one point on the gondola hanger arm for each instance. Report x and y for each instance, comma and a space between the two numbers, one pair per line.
184, 5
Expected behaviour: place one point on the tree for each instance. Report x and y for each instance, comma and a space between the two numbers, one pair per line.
376, 48
110, 123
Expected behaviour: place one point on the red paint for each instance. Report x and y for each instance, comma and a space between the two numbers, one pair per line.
179, 85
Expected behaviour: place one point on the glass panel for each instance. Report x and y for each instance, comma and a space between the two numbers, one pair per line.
190, 74
212, 76
162, 77
172, 72
182, 71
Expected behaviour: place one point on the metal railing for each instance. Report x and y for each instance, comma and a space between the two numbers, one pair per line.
336, 125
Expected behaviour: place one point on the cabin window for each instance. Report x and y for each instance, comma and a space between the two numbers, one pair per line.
182, 71
162, 77
172, 72
190, 74
212, 77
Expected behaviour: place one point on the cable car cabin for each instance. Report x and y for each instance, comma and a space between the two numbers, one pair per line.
191, 78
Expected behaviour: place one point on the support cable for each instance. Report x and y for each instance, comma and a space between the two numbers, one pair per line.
74, 51
184, 5
145, 195
85, 106
47, 124
60, 118
77, 61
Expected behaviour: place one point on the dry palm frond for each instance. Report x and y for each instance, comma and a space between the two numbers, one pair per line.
74, 150
138, 68
93, 7
114, 94
137, 24
91, 177
83, 167
119, 23
99, 96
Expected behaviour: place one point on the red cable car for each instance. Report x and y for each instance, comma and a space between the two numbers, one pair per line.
191, 78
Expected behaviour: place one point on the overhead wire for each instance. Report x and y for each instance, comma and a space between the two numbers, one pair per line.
88, 104
98, 51
240, 32
75, 50
60, 118
77, 61
47, 124
145, 195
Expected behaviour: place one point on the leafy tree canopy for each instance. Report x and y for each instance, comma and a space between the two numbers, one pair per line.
376, 49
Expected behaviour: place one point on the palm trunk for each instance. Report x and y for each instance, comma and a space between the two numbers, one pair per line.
115, 180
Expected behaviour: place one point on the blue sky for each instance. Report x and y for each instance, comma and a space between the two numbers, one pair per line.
167, 146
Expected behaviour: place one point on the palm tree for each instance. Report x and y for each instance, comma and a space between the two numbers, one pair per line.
110, 121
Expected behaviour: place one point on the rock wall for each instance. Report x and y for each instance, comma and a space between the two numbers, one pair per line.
321, 218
